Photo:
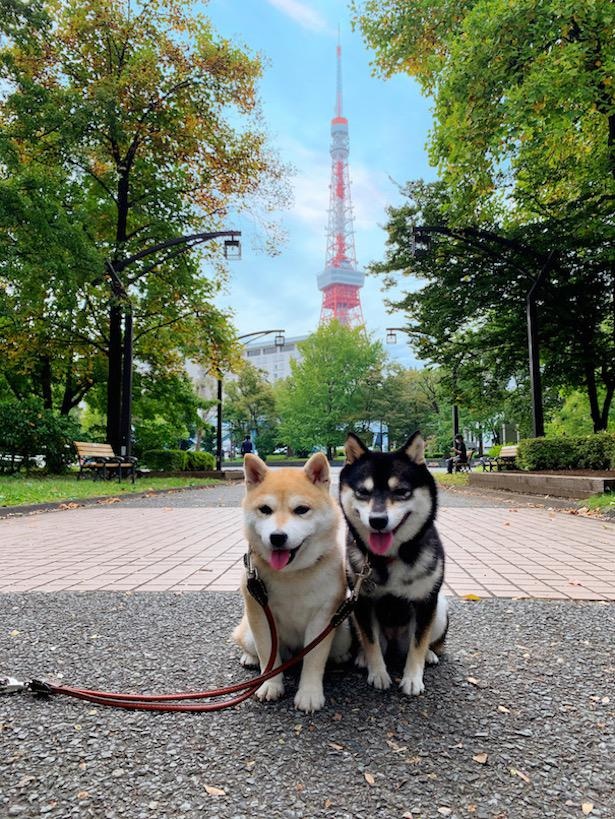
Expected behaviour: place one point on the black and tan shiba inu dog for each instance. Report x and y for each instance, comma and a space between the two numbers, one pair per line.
390, 501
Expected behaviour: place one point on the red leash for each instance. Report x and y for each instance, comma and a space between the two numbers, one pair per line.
168, 702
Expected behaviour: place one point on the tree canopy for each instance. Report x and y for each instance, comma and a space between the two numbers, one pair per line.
524, 141
122, 126
330, 388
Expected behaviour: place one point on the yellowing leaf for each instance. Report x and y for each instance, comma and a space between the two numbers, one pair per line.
471, 597
520, 774
369, 779
587, 808
213, 791
480, 758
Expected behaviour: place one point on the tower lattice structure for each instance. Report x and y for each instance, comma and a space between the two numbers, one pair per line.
341, 280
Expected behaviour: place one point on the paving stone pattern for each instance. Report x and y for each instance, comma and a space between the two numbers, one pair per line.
498, 551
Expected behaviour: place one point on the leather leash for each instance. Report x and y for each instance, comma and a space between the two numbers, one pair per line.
169, 702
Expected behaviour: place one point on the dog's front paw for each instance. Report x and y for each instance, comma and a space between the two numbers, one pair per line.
412, 685
309, 698
379, 679
360, 660
248, 660
270, 690
431, 658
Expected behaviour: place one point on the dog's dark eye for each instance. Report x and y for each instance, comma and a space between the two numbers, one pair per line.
401, 494
361, 492
265, 510
301, 510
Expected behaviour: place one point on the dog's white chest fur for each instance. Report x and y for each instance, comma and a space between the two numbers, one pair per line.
414, 582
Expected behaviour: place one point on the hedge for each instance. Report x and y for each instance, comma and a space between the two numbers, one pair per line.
178, 460
571, 452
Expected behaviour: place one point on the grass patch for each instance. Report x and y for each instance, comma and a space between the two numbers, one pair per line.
456, 479
604, 501
17, 490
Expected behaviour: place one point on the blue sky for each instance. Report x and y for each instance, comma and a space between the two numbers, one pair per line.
389, 123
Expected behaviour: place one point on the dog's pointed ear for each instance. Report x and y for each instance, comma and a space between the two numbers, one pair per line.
254, 469
317, 470
414, 448
354, 448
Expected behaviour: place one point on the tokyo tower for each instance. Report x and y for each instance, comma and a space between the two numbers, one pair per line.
340, 280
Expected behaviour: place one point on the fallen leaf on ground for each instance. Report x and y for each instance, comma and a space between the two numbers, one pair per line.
471, 808
520, 774
480, 758
503, 709
213, 791
474, 681
407, 815
336, 747
587, 808
14, 633
444, 811
471, 597
299, 787
369, 778
328, 803
83, 795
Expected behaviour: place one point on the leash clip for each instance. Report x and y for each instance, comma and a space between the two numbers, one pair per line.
11, 685
364, 574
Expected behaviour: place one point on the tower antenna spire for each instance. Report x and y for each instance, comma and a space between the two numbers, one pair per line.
341, 280
338, 102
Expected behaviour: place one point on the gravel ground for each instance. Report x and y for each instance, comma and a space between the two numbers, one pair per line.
515, 722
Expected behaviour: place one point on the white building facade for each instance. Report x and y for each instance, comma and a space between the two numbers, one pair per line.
273, 361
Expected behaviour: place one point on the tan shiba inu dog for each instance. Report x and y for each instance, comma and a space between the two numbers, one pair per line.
293, 527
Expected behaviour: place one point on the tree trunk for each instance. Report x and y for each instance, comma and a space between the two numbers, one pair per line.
114, 381
606, 406
45, 377
592, 394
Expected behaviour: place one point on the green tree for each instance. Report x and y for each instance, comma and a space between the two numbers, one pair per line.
524, 105
330, 388
250, 406
469, 316
123, 127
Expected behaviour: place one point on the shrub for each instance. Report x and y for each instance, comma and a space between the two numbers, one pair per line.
579, 452
28, 429
166, 460
178, 460
200, 461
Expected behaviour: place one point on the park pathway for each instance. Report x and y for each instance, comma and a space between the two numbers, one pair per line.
193, 541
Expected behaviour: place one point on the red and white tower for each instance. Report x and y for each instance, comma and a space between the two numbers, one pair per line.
340, 280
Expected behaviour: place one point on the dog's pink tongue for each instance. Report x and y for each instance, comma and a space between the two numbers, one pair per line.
379, 542
279, 558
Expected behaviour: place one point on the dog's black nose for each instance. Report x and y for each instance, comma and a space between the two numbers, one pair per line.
379, 522
278, 539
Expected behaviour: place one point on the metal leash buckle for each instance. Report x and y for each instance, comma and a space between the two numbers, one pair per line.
362, 577
11, 685
250, 568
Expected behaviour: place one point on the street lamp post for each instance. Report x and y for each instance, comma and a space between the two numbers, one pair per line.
119, 423
279, 342
473, 237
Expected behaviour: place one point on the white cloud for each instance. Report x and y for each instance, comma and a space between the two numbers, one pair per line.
301, 13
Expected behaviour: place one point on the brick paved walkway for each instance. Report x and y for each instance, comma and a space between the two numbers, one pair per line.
492, 552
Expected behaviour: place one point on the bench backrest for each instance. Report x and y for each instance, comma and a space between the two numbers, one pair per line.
509, 452
88, 450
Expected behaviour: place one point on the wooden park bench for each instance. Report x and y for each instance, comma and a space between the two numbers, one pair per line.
102, 461
464, 466
507, 459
